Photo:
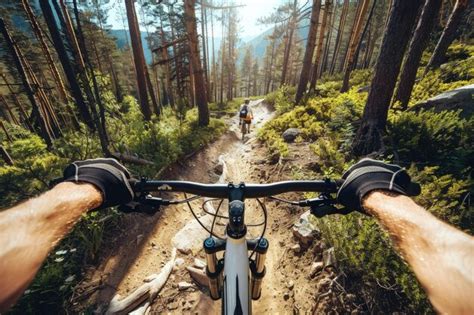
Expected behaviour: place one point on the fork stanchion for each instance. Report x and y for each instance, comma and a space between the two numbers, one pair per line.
257, 268
214, 267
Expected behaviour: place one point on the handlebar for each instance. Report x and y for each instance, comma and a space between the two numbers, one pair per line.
248, 190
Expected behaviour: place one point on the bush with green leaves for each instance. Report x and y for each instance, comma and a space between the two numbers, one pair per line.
436, 147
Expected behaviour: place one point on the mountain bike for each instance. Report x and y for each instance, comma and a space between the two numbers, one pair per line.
236, 278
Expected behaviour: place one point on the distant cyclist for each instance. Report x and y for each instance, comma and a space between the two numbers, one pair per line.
245, 116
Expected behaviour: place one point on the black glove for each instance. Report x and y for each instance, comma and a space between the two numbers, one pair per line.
368, 175
108, 175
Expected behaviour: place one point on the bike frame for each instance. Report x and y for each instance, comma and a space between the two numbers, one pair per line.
236, 278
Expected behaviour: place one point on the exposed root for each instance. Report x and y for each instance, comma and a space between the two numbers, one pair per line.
147, 292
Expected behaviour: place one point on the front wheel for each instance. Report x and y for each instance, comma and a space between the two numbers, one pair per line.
243, 130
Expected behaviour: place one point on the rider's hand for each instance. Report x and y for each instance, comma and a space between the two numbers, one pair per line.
368, 175
108, 175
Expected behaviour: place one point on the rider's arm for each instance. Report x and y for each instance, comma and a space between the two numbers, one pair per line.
441, 256
30, 230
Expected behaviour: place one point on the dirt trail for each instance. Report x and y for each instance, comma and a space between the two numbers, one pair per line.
146, 246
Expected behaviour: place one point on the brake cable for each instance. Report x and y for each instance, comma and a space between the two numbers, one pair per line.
264, 208
199, 221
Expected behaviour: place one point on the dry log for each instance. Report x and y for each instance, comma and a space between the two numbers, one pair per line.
147, 292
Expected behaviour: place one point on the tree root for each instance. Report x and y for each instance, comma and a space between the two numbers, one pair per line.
146, 292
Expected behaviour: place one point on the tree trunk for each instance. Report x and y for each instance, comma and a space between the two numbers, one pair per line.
138, 58
354, 44
72, 36
44, 47
7, 135
324, 63
204, 50
5, 156
199, 84
309, 51
448, 35
340, 32
402, 19
319, 49
17, 103
66, 64
291, 26
12, 118
417, 46
44, 132
100, 120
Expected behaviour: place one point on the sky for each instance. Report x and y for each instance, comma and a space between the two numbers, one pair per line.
248, 16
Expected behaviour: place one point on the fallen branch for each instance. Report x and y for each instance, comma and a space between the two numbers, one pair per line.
131, 159
147, 291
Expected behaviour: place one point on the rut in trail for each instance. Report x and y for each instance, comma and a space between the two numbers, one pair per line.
145, 247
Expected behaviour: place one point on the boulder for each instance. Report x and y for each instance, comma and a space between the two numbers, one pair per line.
189, 239
364, 88
460, 98
198, 263
304, 231
290, 134
219, 168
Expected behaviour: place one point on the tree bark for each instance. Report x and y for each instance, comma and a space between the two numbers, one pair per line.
327, 45
417, 46
17, 103
72, 36
340, 32
66, 64
138, 58
319, 49
199, 84
354, 43
291, 29
12, 118
397, 34
44, 132
309, 51
5, 156
448, 35
204, 50
44, 47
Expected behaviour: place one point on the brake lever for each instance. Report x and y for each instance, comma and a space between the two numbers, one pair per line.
323, 205
144, 203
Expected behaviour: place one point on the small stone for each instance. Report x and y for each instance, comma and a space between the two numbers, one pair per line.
198, 263
179, 262
219, 168
316, 267
286, 296
290, 285
173, 305
184, 286
290, 134
296, 248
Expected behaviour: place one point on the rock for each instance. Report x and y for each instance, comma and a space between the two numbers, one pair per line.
219, 168
179, 262
329, 258
199, 276
190, 238
198, 263
173, 306
286, 296
304, 231
296, 248
184, 286
316, 267
460, 98
290, 134
262, 161
290, 285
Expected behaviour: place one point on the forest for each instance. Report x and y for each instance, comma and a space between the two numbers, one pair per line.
157, 85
